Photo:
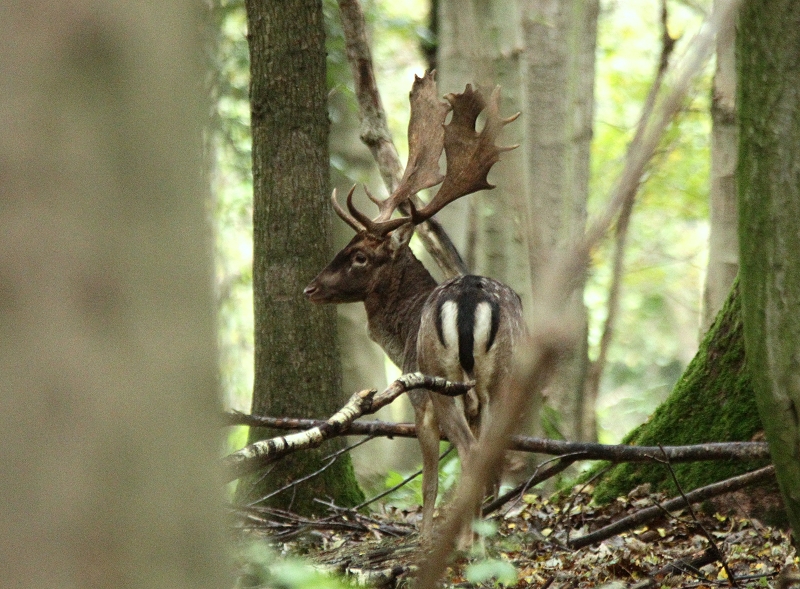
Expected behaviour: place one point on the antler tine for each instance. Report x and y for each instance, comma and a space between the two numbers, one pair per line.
470, 155
425, 145
377, 226
343, 215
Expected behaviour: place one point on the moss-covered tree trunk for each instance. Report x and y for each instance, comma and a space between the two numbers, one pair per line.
297, 370
712, 402
769, 200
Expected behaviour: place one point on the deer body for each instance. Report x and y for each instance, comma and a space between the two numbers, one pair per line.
468, 331
464, 328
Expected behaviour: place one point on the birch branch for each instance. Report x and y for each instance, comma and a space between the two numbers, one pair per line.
259, 454
588, 451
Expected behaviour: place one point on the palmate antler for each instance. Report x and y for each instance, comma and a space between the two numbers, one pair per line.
469, 155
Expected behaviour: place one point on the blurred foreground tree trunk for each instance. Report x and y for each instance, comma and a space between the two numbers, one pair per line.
109, 409
769, 199
723, 250
297, 371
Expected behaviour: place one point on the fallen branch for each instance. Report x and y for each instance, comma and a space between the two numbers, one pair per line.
651, 513
699, 524
589, 451
259, 454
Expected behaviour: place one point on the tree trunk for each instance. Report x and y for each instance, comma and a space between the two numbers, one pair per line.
109, 409
297, 369
558, 70
479, 44
769, 200
712, 402
723, 247
542, 54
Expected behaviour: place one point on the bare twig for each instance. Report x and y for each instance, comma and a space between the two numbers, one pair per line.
696, 496
263, 452
709, 537
330, 460
540, 475
375, 134
399, 485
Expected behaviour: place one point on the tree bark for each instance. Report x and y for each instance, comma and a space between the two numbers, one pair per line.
769, 200
105, 296
480, 44
723, 246
297, 369
558, 70
542, 54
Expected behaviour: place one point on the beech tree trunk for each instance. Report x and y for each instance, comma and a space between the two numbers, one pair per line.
723, 247
769, 200
558, 73
297, 369
542, 55
109, 409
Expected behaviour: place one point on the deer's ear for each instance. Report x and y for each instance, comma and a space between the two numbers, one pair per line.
400, 237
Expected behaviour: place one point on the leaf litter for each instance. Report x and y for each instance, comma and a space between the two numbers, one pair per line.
528, 546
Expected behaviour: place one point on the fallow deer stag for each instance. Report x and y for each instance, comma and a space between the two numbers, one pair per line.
465, 328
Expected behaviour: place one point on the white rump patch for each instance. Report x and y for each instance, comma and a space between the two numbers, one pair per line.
449, 311
482, 329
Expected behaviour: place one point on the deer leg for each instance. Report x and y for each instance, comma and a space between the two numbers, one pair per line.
454, 425
428, 436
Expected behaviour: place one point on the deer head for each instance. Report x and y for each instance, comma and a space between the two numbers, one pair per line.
380, 247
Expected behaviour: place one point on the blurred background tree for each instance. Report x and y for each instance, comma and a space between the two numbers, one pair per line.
660, 299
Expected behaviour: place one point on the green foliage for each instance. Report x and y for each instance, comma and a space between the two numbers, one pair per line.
656, 330
261, 568
485, 570
229, 144
410, 494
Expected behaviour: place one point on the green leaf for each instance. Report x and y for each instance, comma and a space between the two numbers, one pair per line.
484, 570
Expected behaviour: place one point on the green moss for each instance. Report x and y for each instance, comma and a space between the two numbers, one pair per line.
712, 402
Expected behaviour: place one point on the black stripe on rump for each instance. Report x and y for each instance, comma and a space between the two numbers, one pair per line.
468, 292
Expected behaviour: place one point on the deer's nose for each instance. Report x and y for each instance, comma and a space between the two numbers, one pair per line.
310, 290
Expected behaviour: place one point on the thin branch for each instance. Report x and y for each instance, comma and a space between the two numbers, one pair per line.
649, 514
590, 451
399, 485
596, 368
330, 460
560, 465
719, 555
376, 135
259, 454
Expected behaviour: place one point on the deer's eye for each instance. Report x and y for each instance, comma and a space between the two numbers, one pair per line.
359, 259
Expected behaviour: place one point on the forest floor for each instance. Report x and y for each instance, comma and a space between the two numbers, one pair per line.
526, 545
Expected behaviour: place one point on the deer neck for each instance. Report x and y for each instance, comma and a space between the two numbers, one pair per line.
394, 309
